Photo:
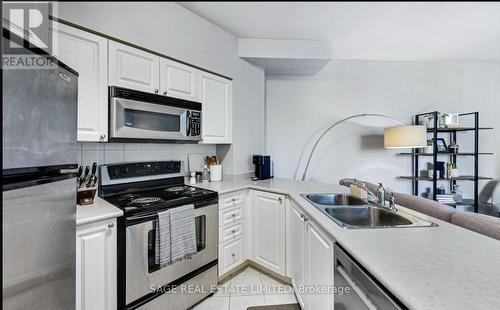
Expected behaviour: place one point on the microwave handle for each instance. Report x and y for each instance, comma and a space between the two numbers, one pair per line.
188, 123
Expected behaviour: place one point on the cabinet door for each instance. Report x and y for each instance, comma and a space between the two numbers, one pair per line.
178, 80
133, 68
231, 254
96, 266
216, 98
268, 220
88, 54
319, 267
298, 252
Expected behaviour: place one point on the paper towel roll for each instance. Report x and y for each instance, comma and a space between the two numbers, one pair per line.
216, 173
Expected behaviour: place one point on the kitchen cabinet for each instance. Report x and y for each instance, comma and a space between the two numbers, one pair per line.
319, 264
232, 231
87, 53
133, 68
178, 80
216, 99
96, 266
268, 231
297, 260
231, 254
312, 261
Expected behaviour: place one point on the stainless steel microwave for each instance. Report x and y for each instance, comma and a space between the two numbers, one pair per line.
137, 115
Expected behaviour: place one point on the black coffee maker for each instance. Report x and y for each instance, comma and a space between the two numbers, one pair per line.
263, 167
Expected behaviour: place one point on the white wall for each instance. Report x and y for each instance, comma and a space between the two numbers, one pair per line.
297, 107
172, 30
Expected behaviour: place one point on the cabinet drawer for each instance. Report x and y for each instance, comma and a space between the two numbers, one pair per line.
230, 215
232, 200
231, 231
231, 254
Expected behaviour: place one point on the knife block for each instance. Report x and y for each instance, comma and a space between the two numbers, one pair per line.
85, 196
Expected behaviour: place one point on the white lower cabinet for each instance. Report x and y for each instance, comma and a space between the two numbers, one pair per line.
312, 262
96, 266
268, 230
298, 235
231, 254
232, 232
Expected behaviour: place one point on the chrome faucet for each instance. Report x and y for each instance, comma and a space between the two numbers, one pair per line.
378, 196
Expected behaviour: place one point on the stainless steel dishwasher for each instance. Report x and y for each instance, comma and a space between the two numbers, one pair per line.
364, 292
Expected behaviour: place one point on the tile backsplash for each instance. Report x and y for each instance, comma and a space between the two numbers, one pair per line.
105, 153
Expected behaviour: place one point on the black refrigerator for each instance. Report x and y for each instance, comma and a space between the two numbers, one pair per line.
39, 185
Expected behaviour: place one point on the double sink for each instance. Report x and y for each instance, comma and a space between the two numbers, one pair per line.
352, 212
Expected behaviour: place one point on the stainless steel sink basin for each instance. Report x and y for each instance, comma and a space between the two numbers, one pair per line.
367, 216
352, 212
335, 199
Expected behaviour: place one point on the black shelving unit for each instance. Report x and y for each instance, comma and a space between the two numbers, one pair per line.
435, 131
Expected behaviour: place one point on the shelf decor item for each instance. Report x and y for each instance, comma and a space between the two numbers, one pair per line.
453, 149
429, 120
441, 145
450, 120
429, 148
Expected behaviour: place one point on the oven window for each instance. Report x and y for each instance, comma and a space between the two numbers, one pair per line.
152, 120
201, 241
201, 232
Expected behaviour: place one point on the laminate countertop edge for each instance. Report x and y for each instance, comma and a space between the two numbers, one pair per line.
98, 211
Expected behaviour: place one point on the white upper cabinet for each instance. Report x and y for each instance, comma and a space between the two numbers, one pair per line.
88, 55
178, 80
268, 220
216, 99
133, 68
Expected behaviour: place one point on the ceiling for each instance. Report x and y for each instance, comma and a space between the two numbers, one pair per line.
393, 31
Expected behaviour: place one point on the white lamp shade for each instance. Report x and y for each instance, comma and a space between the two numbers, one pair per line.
405, 137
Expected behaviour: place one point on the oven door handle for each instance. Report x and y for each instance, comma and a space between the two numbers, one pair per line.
140, 219
188, 123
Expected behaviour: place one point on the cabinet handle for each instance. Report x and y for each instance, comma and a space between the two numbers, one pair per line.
234, 199
233, 231
156, 91
302, 216
233, 215
280, 200
111, 225
102, 136
164, 92
233, 255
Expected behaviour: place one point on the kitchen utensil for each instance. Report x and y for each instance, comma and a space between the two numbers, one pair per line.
212, 160
93, 176
84, 177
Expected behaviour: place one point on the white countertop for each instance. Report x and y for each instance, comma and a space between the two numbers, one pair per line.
444, 267
98, 211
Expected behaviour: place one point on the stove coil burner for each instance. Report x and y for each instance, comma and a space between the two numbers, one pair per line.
177, 189
146, 200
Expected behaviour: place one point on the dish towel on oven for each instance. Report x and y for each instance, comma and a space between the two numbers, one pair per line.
162, 241
182, 233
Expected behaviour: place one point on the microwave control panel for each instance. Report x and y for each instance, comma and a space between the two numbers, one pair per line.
195, 123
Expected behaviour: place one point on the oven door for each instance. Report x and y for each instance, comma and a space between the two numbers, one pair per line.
143, 276
131, 119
